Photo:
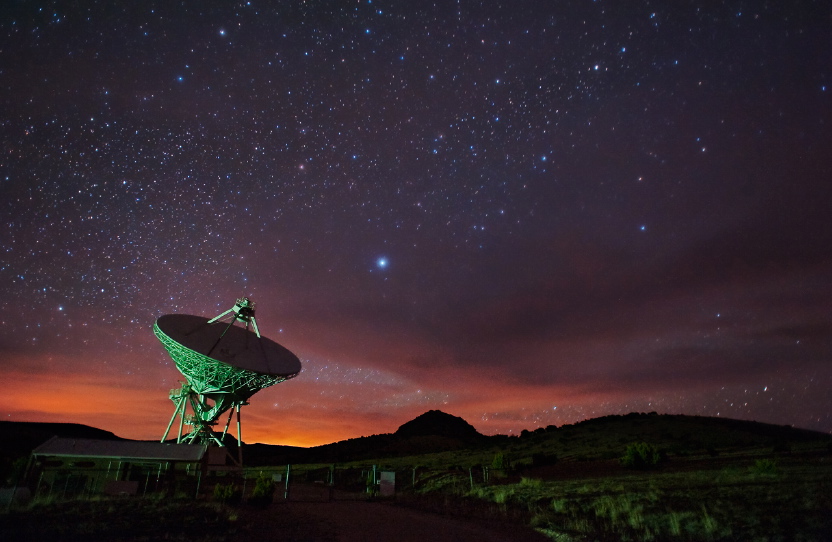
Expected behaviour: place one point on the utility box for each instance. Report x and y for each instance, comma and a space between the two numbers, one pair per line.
387, 483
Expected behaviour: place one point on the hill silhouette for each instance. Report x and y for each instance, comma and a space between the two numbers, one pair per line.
436, 431
433, 431
438, 423
597, 438
20, 438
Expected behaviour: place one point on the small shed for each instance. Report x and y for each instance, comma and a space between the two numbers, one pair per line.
77, 467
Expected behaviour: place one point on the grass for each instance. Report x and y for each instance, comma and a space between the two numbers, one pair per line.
707, 487
718, 480
125, 520
765, 467
731, 504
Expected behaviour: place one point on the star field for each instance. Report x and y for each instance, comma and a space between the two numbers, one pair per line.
520, 213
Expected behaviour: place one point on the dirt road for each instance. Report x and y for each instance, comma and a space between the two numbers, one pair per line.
361, 521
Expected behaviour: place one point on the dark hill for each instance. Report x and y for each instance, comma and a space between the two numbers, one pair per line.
606, 438
433, 431
37, 432
438, 423
597, 438
436, 431
20, 438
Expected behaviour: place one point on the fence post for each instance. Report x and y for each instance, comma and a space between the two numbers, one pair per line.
286, 490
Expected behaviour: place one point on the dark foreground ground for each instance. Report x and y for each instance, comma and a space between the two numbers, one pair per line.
336, 521
356, 521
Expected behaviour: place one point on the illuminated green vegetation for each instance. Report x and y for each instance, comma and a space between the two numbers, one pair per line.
635, 477
641, 456
726, 504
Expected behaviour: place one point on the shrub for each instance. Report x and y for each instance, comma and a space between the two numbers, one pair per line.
503, 495
765, 467
640, 455
559, 505
263, 490
531, 482
709, 524
227, 493
500, 462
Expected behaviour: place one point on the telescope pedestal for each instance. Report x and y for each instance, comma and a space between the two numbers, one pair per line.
202, 420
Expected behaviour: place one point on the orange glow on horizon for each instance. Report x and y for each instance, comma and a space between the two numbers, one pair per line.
300, 412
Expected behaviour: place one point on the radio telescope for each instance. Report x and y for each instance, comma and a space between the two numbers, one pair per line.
224, 365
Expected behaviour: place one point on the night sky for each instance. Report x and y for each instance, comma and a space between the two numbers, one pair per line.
522, 213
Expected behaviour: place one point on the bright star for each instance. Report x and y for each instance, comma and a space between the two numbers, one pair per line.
381, 263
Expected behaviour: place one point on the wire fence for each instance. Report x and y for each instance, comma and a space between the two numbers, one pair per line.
309, 483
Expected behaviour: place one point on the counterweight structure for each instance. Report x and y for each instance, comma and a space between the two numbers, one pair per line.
224, 361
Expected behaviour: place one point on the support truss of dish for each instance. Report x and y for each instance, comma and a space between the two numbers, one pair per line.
214, 387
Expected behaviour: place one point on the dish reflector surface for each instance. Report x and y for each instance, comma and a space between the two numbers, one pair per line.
237, 347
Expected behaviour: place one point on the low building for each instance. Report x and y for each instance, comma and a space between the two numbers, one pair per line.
79, 468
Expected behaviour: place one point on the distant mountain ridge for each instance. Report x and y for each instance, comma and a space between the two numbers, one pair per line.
436, 431
433, 431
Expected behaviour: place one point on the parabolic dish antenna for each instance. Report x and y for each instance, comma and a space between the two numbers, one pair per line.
224, 365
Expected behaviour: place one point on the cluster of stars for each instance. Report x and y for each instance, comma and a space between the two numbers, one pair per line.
505, 191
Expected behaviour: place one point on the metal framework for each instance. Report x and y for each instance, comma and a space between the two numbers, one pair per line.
213, 387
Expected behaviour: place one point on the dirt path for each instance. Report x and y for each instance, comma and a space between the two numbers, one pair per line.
361, 521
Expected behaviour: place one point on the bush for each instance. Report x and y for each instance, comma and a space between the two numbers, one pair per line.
500, 462
535, 483
503, 495
263, 492
765, 467
227, 494
641, 456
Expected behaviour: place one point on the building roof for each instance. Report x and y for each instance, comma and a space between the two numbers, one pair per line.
120, 449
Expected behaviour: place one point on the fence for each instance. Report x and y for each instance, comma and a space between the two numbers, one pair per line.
310, 483
316, 483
